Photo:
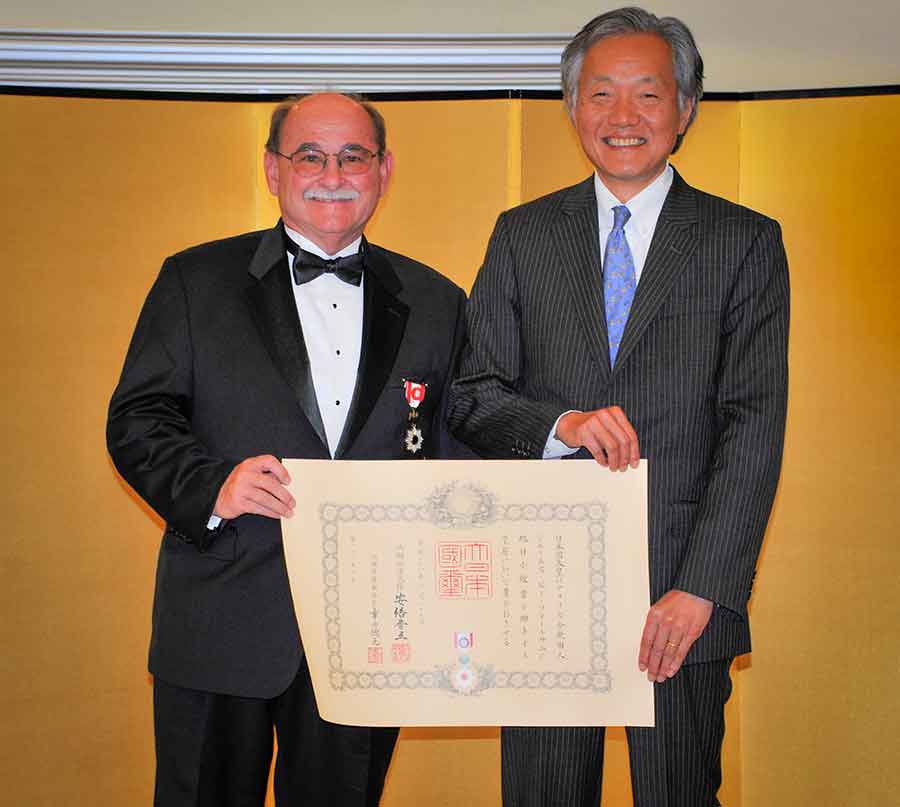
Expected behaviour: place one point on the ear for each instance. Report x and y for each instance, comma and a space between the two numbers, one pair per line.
271, 166
386, 169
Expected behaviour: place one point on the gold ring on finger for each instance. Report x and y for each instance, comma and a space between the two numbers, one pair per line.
672, 644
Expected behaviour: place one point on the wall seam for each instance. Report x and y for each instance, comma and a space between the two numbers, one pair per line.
739, 689
514, 156
740, 153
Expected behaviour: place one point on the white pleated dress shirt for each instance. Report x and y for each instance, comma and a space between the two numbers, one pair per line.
331, 315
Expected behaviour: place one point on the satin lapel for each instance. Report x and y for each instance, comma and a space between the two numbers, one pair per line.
272, 301
674, 240
384, 323
578, 245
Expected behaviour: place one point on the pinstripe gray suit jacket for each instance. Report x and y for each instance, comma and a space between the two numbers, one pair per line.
701, 374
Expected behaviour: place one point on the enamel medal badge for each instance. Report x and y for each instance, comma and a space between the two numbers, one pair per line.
415, 394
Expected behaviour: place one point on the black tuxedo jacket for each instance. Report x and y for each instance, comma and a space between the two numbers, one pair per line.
701, 373
217, 371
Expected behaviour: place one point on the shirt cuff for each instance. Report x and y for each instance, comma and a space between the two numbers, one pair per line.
554, 448
213, 522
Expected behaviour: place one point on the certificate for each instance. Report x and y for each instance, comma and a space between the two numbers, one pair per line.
440, 593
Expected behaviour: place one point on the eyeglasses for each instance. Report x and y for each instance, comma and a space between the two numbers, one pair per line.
309, 162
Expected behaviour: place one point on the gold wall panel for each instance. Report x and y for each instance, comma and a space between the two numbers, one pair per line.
819, 709
95, 194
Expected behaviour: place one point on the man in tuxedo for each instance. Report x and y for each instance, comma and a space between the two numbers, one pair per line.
632, 316
296, 341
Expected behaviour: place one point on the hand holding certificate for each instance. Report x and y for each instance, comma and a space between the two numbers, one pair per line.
470, 592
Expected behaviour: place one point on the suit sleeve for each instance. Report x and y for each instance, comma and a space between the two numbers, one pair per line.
488, 409
751, 403
148, 430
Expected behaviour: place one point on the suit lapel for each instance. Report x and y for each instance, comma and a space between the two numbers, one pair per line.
578, 245
272, 301
384, 323
673, 243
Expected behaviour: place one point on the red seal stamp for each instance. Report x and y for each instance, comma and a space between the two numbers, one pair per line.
400, 652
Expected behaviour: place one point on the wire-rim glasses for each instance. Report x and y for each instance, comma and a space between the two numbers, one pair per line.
309, 162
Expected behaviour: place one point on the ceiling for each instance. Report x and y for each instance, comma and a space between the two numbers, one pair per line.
747, 46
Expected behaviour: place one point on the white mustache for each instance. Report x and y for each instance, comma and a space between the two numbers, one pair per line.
316, 195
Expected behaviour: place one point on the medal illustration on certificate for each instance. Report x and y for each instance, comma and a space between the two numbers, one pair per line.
415, 394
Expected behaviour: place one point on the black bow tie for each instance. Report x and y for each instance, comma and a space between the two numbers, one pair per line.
308, 266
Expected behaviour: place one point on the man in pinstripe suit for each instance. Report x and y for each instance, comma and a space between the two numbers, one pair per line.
632, 315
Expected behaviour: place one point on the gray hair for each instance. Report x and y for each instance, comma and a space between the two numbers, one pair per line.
280, 113
687, 64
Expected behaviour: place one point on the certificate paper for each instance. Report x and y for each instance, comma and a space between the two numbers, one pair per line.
440, 593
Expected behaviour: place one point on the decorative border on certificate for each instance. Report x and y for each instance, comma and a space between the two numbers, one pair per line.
454, 506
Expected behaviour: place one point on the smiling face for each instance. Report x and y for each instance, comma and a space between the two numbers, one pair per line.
626, 113
330, 209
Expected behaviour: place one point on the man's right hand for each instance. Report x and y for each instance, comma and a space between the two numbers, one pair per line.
256, 486
606, 433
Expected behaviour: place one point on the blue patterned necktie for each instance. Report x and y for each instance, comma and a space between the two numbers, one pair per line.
619, 280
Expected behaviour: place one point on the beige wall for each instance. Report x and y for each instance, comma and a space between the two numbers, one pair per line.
96, 192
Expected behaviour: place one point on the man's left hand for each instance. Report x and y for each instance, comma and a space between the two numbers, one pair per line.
674, 623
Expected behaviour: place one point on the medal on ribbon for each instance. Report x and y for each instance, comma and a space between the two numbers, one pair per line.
415, 394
